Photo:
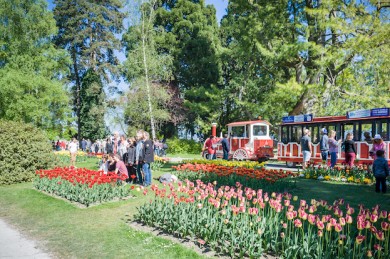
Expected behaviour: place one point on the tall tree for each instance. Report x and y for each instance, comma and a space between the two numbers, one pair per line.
92, 107
146, 69
87, 29
31, 67
190, 34
304, 54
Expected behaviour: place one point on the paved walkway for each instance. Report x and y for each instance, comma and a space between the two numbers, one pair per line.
14, 245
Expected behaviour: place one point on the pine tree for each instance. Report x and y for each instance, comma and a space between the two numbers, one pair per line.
87, 30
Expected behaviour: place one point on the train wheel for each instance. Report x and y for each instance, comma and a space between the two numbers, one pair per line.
240, 154
291, 164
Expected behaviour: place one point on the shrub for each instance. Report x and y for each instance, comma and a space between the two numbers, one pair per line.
23, 150
180, 146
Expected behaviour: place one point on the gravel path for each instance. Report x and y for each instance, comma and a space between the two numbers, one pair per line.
14, 245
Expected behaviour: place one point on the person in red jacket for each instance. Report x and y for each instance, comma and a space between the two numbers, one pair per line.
211, 146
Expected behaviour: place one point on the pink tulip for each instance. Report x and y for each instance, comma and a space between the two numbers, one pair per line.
303, 215
286, 203
298, 223
361, 225
320, 233
333, 222
360, 239
312, 219
385, 226
348, 219
368, 224
290, 208
302, 203
377, 247
342, 221
290, 215
380, 236
338, 228
350, 211
369, 253
374, 218
320, 225
383, 214
328, 226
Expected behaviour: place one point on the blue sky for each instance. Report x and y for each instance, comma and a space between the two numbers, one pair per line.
220, 6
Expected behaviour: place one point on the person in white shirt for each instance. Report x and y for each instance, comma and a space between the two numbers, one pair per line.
73, 152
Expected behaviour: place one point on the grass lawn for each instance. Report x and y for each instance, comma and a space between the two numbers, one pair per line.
185, 156
101, 231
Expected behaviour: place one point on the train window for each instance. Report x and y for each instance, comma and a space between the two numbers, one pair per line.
366, 132
284, 137
315, 134
348, 128
384, 126
296, 134
238, 131
259, 130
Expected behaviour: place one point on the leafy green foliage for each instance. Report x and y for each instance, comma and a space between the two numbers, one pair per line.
24, 149
92, 107
87, 31
183, 146
31, 89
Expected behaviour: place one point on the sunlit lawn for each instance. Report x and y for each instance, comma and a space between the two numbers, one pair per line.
101, 231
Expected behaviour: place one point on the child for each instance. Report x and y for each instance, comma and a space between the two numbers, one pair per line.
104, 164
380, 169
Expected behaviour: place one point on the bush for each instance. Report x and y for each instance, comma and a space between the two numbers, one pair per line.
23, 150
180, 146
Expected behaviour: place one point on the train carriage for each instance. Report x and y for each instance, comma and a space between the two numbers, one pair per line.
249, 140
361, 124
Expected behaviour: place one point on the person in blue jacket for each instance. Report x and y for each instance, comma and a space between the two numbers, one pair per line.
225, 147
380, 168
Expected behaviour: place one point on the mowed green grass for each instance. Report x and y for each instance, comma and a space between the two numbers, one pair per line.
95, 232
101, 231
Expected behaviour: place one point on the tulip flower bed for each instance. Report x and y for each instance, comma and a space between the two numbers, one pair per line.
245, 164
254, 178
238, 222
361, 174
80, 185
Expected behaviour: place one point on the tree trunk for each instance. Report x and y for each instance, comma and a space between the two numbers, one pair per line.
144, 35
77, 94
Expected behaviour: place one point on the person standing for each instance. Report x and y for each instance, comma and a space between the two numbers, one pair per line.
380, 168
83, 144
122, 147
139, 156
333, 148
350, 150
377, 144
109, 146
210, 144
324, 146
132, 169
225, 147
148, 158
306, 148
73, 152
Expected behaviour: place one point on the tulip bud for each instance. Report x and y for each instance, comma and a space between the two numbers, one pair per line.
320, 233
360, 239
369, 253
338, 228
329, 227
383, 214
295, 198
282, 235
385, 226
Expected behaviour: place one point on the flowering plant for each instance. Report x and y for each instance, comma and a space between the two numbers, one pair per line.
240, 221
246, 164
80, 185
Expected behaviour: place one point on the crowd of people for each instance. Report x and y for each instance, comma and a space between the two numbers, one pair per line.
130, 158
329, 146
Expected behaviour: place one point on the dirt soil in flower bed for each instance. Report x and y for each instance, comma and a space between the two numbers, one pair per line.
187, 242
83, 206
